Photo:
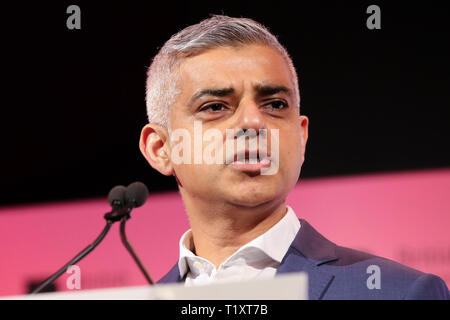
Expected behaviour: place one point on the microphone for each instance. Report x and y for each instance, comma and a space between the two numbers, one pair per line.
136, 194
116, 197
122, 200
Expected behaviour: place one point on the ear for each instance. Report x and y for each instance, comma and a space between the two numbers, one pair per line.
154, 145
304, 122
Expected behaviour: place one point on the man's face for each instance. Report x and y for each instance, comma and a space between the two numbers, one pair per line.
249, 87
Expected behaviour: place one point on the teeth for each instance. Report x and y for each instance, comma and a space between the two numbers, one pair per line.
265, 161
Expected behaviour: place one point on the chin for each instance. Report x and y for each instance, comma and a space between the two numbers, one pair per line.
253, 196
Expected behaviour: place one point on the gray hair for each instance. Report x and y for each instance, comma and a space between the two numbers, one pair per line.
217, 31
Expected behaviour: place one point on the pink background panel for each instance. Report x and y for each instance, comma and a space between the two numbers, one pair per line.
402, 216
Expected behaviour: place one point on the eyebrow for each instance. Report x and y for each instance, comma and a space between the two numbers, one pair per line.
268, 90
219, 92
261, 90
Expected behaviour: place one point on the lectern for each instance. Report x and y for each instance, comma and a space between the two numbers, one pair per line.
290, 286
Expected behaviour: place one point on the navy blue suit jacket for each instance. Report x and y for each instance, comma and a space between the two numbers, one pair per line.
335, 272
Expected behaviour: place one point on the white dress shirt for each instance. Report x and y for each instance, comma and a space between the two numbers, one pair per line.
260, 258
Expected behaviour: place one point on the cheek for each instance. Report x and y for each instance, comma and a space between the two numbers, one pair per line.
291, 155
195, 175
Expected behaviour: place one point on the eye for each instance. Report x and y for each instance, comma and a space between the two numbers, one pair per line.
277, 104
214, 107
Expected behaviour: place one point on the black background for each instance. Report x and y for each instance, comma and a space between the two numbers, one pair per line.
73, 100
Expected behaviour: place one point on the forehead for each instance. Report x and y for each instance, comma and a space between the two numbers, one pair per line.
234, 66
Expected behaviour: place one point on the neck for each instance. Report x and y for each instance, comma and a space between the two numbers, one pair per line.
220, 229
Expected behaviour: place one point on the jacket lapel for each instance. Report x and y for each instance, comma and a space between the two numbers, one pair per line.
307, 253
172, 276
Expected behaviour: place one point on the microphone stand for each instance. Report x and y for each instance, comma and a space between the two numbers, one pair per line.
77, 258
122, 214
130, 249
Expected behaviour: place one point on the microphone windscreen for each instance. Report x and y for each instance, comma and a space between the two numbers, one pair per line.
116, 196
136, 194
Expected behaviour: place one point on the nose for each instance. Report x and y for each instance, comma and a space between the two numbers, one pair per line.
250, 116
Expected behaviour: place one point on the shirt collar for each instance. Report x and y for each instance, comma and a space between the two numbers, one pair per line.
274, 243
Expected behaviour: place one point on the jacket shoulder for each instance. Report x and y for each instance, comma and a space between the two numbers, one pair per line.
397, 281
428, 287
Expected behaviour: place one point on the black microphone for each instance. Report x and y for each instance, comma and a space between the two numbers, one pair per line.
117, 200
122, 202
116, 197
136, 194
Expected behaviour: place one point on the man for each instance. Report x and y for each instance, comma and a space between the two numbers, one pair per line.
232, 75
